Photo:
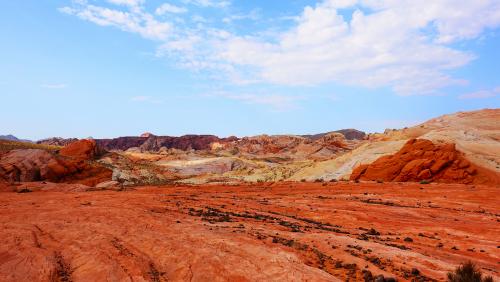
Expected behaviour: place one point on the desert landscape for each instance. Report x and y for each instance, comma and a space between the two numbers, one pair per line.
406, 205
262, 140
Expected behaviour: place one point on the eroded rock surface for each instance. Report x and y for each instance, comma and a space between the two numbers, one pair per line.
421, 159
72, 165
266, 232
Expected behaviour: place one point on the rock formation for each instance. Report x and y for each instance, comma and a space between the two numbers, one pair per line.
349, 134
72, 165
81, 150
155, 143
287, 146
56, 141
420, 159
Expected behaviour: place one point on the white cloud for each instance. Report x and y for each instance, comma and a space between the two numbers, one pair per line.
277, 102
388, 46
169, 8
482, 94
54, 86
140, 98
252, 15
401, 44
135, 20
127, 2
209, 3
146, 99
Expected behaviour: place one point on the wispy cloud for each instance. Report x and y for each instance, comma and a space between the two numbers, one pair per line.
54, 86
131, 3
146, 99
209, 3
482, 94
135, 20
408, 46
252, 15
276, 102
169, 8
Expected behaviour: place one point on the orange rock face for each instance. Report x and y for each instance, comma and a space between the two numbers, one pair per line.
420, 159
82, 150
265, 232
72, 165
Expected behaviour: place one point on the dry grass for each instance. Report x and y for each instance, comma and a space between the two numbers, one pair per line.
6, 145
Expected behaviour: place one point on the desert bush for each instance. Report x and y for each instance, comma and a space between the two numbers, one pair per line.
425, 181
7, 145
468, 272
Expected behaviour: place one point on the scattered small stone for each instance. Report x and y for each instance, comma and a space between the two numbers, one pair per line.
24, 190
380, 278
372, 231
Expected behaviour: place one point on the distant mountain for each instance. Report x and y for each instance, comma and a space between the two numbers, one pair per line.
11, 137
154, 143
150, 142
350, 134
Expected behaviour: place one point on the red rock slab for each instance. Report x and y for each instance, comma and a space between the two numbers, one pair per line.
84, 149
422, 160
265, 232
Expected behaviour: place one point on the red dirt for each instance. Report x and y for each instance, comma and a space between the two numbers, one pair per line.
283, 231
420, 159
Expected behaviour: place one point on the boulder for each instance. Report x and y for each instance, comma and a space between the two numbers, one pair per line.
82, 150
30, 165
71, 166
421, 159
107, 184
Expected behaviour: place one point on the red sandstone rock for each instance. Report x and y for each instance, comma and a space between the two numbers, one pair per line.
420, 159
155, 143
264, 232
38, 165
85, 149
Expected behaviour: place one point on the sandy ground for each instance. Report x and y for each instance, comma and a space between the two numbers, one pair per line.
264, 232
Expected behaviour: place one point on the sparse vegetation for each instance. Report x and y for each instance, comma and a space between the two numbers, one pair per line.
468, 272
6, 145
425, 182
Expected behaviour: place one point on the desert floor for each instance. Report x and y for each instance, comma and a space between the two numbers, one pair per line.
262, 232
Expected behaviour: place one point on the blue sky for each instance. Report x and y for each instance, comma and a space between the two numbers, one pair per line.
232, 67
